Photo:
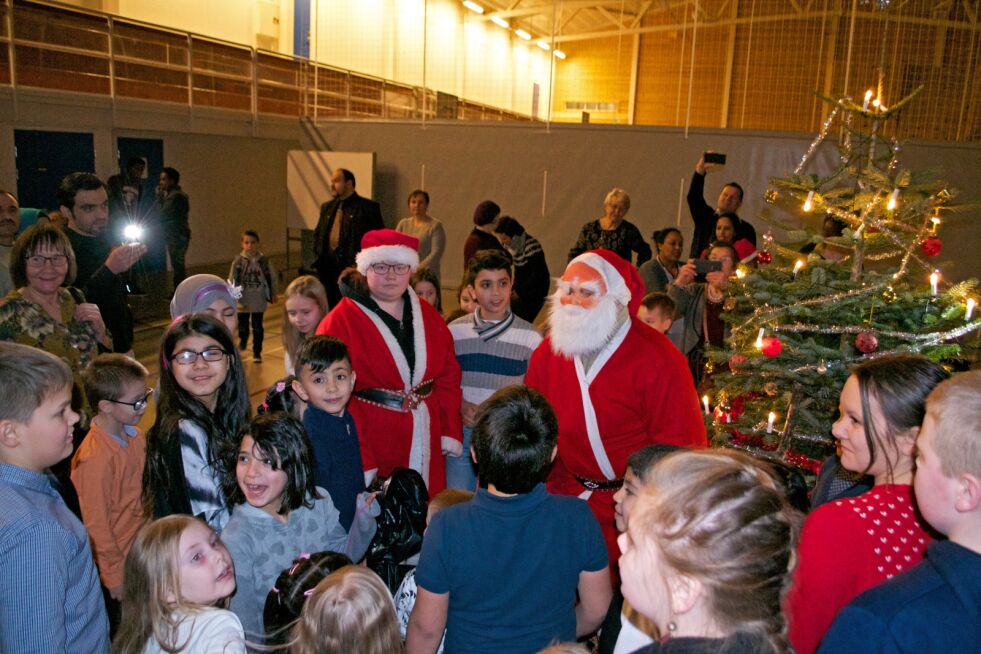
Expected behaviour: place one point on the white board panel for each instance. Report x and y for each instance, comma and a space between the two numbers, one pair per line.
308, 174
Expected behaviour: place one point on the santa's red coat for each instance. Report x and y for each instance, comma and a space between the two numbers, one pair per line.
386, 435
641, 392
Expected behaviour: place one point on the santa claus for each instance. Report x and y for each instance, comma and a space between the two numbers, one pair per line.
407, 396
616, 384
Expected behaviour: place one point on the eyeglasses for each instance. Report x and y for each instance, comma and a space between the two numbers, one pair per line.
385, 268
187, 357
138, 405
38, 261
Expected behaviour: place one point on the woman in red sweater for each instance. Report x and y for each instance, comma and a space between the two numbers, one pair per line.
850, 545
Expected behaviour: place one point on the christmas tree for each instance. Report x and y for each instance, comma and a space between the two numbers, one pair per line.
869, 288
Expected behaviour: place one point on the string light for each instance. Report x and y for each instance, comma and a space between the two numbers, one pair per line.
759, 339
769, 422
969, 311
936, 223
797, 266
934, 278
705, 403
808, 205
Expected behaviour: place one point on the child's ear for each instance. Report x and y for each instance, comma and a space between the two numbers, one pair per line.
473, 454
9, 436
354, 376
555, 452
299, 390
968, 493
685, 592
104, 406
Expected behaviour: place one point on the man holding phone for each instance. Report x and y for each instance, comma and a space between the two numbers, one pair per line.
704, 216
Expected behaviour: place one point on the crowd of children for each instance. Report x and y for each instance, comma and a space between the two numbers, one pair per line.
223, 532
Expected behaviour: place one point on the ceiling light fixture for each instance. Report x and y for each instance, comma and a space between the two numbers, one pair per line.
473, 6
523, 34
497, 20
544, 46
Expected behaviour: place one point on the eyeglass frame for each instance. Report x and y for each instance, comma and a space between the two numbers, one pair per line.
389, 267
198, 355
145, 400
40, 260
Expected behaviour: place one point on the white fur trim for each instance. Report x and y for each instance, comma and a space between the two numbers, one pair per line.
616, 286
386, 254
451, 446
419, 450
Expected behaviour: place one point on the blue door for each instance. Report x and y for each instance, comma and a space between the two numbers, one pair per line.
44, 159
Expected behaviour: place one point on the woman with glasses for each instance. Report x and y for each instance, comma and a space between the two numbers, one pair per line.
42, 312
407, 396
701, 305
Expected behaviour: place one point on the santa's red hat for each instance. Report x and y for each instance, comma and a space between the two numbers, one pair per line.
387, 246
621, 278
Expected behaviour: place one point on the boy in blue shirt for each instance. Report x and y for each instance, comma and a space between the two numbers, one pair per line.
492, 346
325, 381
50, 600
501, 572
928, 607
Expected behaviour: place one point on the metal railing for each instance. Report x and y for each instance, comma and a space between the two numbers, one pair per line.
48, 46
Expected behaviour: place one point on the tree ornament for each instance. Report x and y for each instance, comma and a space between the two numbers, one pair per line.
931, 246
771, 347
764, 257
822, 367
889, 295
729, 304
866, 342
735, 361
771, 196
770, 388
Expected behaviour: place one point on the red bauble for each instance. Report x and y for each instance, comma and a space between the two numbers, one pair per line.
764, 257
866, 342
930, 247
771, 346
736, 360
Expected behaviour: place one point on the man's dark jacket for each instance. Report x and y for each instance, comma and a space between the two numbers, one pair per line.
360, 216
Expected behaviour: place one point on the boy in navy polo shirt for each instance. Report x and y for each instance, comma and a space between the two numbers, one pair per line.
501, 572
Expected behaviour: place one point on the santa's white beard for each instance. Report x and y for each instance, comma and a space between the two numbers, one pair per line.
575, 331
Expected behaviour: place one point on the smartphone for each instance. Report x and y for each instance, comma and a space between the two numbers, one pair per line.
703, 266
714, 158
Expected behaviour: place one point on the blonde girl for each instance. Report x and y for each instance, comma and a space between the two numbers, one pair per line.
351, 610
304, 306
707, 554
178, 575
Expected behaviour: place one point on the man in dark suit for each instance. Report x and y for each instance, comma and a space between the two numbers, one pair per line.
705, 217
343, 221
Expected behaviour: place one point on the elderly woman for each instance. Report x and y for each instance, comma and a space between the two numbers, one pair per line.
407, 393
429, 231
701, 305
612, 232
707, 555
40, 311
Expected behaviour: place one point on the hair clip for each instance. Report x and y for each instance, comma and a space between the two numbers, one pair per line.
280, 387
234, 291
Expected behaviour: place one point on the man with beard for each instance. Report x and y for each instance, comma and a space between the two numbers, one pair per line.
616, 384
85, 202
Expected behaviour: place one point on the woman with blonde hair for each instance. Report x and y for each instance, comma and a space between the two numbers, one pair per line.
708, 552
351, 610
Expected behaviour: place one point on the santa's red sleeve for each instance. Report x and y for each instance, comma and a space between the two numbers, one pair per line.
673, 416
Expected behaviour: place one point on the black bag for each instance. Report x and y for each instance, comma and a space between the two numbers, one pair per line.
403, 500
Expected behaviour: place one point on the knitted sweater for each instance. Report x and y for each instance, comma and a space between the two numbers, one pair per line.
492, 355
846, 547
262, 547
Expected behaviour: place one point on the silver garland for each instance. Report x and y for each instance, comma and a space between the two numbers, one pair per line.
817, 141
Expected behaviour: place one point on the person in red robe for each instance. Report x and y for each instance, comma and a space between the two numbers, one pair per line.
407, 396
616, 384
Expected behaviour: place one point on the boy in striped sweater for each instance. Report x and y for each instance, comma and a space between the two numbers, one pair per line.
493, 347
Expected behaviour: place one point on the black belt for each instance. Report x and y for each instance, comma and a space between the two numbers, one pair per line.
599, 485
403, 401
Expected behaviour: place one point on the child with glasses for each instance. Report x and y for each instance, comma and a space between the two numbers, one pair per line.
202, 410
108, 466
